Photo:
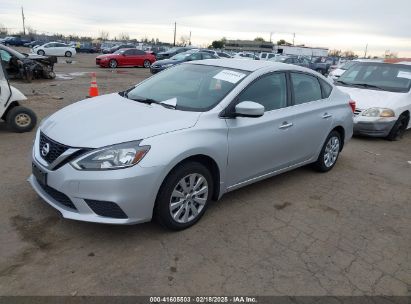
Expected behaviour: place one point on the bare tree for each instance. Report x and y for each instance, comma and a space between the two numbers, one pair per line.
3, 29
103, 35
123, 37
335, 53
184, 40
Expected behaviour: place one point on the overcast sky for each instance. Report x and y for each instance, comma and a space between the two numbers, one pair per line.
345, 25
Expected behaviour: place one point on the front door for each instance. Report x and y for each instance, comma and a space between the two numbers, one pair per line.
259, 146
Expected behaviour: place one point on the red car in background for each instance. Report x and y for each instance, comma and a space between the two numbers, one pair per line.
126, 57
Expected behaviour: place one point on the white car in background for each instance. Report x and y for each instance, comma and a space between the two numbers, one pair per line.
336, 73
382, 95
267, 56
55, 49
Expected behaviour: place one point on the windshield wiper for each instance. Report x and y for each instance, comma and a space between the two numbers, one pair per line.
342, 82
150, 101
366, 85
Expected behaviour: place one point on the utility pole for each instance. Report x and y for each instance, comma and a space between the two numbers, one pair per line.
366, 50
271, 36
293, 38
22, 15
189, 40
175, 32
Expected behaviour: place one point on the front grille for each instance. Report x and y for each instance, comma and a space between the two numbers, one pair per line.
357, 112
106, 209
54, 151
58, 196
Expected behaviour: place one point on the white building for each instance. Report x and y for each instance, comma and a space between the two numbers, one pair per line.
300, 50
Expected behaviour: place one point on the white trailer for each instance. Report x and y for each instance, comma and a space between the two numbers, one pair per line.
300, 50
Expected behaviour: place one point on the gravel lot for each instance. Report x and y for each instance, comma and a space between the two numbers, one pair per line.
347, 232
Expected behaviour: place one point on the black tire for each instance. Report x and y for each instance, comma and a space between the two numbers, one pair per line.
41, 52
68, 54
147, 64
321, 163
21, 119
112, 63
399, 128
162, 210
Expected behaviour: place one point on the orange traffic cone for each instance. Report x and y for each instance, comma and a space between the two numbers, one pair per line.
93, 91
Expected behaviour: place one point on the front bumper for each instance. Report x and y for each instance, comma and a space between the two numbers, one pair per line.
155, 70
133, 190
102, 63
373, 127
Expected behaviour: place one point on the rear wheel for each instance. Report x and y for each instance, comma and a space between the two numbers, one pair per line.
329, 153
184, 195
41, 52
68, 54
399, 128
112, 63
21, 119
147, 64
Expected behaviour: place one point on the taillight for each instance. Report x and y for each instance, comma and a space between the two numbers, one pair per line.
352, 105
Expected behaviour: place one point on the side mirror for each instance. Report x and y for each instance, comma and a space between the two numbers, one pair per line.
249, 109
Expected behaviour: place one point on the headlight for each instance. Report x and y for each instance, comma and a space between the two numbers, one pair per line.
113, 157
378, 112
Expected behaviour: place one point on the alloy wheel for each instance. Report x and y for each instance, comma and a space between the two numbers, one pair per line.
188, 198
331, 151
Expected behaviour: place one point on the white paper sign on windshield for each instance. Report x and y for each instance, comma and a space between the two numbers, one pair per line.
404, 74
229, 76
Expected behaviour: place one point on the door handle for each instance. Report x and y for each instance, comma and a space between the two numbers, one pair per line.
286, 125
326, 115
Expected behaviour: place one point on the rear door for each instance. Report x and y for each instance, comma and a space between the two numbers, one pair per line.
311, 116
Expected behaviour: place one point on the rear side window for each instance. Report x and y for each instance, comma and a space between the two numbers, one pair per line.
269, 91
139, 52
306, 88
327, 88
263, 55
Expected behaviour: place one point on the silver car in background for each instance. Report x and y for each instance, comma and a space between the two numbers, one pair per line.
177, 140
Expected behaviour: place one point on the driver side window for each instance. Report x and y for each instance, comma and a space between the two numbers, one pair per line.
5, 56
269, 91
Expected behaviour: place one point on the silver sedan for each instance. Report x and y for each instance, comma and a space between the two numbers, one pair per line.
177, 140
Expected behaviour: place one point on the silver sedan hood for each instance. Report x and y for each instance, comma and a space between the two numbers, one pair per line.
112, 119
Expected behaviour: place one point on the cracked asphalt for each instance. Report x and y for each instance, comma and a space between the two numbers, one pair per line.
347, 232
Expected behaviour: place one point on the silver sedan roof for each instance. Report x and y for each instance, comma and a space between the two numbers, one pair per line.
242, 64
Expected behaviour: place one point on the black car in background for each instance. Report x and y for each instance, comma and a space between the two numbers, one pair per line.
172, 52
118, 47
86, 48
161, 65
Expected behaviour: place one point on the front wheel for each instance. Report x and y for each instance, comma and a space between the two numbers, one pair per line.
399, 128
147, 64
112, 63
184, 195
41, 52
21, 119
68, 54
329, 153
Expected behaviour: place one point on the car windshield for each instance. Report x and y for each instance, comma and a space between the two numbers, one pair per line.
180, 56
279, 59
348, 64
191, 87
381, 76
